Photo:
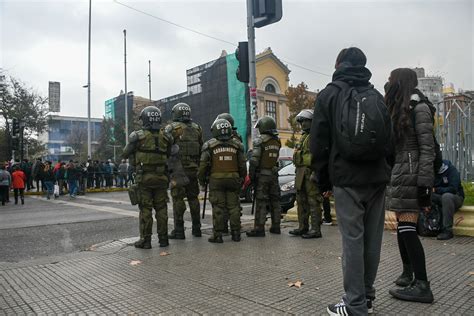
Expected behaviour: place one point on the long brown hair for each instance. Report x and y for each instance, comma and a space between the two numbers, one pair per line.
398, 90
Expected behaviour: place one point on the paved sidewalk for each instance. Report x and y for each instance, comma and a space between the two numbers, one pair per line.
250, 277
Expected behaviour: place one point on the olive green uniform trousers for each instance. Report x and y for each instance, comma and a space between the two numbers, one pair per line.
267, 200
224, 196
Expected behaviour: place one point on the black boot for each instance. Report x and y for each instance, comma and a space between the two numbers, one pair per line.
275, 230
216, 238
144, 243
163, 241
445, 235
417, 291
196, 230
22, 201
298, 232
406, 277
256, 232
235, 235
312, 233
177, 233
16, 201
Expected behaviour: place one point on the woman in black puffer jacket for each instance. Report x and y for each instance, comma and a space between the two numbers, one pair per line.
412, 177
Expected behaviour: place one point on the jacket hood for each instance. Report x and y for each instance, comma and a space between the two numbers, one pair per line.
353, 75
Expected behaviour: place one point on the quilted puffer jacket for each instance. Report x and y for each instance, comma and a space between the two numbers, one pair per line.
414, 158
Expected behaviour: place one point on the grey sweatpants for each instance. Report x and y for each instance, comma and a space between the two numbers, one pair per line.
450, 203
360, 215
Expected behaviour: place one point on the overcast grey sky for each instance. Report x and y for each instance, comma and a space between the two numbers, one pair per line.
45, 41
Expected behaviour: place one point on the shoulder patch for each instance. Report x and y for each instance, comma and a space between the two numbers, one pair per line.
136, 136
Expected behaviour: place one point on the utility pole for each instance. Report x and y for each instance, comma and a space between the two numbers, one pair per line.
126, 93
149, 79
252, 69
89, 146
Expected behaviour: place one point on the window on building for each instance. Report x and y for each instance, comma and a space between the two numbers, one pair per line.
270, 109
270, 88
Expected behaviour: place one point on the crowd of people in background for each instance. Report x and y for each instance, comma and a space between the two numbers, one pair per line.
60, 178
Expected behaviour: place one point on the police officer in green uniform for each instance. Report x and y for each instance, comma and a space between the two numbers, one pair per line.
148, 150
236, 136
223, 167
307, 194
264, 175
188, 136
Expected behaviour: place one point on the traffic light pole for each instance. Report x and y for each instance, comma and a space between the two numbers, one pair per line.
252, 69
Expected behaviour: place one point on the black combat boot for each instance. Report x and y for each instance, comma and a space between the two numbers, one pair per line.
144, 243
178, 232
275, 230
258, 231
216, 238
298, 232
163, 241
417, 291
312, 233
315, 231
406, 277
235, 235
196, 230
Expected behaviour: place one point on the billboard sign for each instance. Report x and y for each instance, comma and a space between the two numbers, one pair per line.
54, 96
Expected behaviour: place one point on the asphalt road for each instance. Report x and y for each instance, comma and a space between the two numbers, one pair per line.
56, 227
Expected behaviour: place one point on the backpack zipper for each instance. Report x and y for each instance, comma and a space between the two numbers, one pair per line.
410, 162
357, 118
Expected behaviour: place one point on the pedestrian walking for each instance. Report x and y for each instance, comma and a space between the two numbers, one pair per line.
223, 167
48, 179
18, 183
412, 178
263, 169
359, 172
187, 135
308, 197
150, 149
5, 183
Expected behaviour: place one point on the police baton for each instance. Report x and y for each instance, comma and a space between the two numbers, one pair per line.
204, 204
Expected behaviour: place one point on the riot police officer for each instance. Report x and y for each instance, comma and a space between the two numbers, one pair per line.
148, 150
223, 167
307, 194
236, 136
188, 136
264, 176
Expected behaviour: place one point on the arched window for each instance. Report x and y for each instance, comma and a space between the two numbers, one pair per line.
270, 88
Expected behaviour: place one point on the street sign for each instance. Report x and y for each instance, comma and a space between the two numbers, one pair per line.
54, 96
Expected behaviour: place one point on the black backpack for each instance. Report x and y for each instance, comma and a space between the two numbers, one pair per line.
362, 125
438, 161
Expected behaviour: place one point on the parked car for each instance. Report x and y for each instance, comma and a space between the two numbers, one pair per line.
286, 179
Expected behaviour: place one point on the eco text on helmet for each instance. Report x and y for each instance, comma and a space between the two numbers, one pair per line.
223, 127
185, 110
153, 116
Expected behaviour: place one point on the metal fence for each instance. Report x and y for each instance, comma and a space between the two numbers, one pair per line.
454, 133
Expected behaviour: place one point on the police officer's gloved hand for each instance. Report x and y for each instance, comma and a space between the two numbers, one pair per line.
424, 196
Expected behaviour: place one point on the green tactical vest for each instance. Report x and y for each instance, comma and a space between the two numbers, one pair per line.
302, 155
224, 157
270, 151
187, 136
151, 153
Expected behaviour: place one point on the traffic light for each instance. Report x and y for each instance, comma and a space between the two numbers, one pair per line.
242, 55
266, 12
15, 128
16, 143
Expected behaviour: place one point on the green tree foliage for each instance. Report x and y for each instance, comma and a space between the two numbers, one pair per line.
24, 104
112, 135
299, 98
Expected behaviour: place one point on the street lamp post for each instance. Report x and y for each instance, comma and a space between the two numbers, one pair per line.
89, 147
126, 96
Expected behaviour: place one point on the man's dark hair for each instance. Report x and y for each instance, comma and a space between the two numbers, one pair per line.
352, 56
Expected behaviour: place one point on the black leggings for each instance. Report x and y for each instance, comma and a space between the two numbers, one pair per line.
22, 194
